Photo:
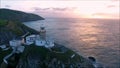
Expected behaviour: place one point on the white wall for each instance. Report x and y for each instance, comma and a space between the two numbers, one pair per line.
40, 42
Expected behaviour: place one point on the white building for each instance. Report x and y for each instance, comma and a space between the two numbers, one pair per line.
49, 44
15, 43
40, 42
30, 39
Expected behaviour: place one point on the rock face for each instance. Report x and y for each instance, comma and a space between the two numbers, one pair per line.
13, 15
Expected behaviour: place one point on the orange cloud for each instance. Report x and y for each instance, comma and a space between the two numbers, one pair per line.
111, 6
106, 15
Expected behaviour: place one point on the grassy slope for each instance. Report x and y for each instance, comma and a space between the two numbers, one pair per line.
10, 29
17, 28
3, 23
3, 54
49, 55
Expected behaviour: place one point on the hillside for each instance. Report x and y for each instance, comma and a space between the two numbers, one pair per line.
10, 30
13, 15
57, 57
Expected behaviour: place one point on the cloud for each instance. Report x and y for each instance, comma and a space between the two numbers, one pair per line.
111, 6
63, 9
54, 9
54, 12
101, 14
106, 15
7, 6
39, 9
60, 9
114, 0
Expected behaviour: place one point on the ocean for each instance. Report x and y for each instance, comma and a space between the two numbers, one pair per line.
99, 38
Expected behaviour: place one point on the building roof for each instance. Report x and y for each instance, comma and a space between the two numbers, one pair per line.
32, 35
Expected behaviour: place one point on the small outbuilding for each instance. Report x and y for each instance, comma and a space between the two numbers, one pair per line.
15, 43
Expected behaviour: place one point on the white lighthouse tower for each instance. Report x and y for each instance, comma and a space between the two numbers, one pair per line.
42, 33
41, 38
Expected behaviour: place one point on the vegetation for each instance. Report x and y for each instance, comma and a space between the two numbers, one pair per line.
18, 28
46, 53
10, 30
32, 49
3, 54
3, 23
46, 57
66, 56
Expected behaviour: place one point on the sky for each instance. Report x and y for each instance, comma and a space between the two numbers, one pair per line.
107, 9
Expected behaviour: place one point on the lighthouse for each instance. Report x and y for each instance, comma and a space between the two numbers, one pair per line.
42, 33
41, 38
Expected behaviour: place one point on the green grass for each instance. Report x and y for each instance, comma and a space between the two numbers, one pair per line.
3, 65
12, 26
3, 54
3, 23
32, 49
65, 57
45, 53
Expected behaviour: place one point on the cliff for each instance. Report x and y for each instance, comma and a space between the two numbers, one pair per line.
14, 15
57, 57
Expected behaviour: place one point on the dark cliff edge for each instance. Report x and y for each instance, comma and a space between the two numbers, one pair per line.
14, 15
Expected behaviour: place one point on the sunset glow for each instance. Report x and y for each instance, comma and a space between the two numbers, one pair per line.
67, 8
